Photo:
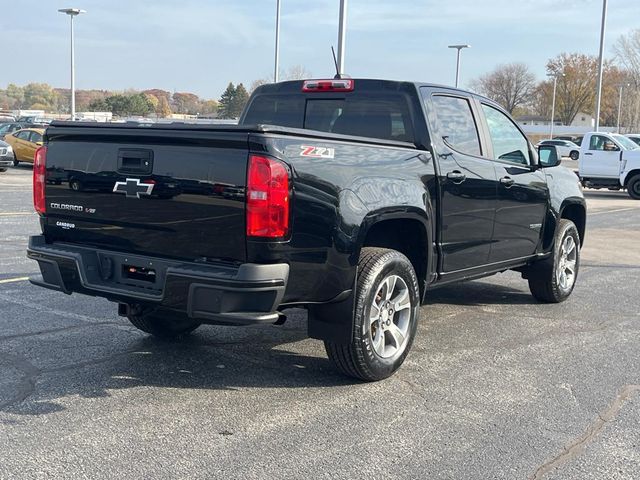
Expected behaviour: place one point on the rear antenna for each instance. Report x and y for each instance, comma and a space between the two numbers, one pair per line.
335, 62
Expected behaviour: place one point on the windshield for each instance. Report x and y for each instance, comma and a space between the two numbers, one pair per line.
5, 128
625, 142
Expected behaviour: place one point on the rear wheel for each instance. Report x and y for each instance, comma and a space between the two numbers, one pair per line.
633, 187
3, 170
386, 317
75, 185
15, 160
574, 155
552, 280
162, 325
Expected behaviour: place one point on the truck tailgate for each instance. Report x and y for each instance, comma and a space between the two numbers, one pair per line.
170, 192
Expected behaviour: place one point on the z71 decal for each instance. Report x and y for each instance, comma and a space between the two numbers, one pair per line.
317, 152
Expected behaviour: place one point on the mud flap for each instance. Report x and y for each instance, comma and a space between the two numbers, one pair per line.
333, 322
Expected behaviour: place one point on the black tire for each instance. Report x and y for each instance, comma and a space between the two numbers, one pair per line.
75, 185
162, 325
360, 358
2, 170
15, 160
545, 277
633, 187
574, 155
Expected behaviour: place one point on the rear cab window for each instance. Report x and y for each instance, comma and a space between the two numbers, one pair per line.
381, 115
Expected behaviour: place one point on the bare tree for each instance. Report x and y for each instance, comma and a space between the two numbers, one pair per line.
297, 72
510, 85
627, 52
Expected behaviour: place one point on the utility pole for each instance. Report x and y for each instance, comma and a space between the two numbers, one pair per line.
276, 67
621, 86
458, 47
342, 31
553, 101
72, 12
600, 61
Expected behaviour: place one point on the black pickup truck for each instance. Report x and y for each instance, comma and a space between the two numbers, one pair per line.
351, 198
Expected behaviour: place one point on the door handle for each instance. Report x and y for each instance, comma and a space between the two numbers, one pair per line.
507, 181
587, 153
456, 176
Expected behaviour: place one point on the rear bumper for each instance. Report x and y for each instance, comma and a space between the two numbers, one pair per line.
212, 293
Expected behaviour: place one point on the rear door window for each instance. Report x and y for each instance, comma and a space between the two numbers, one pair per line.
454, 121
23, 135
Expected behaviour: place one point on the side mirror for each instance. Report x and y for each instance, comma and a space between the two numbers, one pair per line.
548, 156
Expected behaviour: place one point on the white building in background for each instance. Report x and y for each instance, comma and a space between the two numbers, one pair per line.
94, 116
536, 120
583, 120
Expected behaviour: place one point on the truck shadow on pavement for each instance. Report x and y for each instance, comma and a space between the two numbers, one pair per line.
96, 361
211, 359
476, 293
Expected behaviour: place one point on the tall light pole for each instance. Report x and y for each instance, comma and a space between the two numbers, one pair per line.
458, 47
276, 66
342, 32
621, 86
553, 101
72, 12
600, 60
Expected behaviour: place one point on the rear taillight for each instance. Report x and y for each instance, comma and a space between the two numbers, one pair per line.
267, 198
39, 179
337, 85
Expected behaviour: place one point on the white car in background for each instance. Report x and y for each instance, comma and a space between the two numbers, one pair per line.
565, 148
634, 137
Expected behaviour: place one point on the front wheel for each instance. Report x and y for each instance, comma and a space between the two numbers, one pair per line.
15, 160
552, 280
574, 155
633, 187
385, 319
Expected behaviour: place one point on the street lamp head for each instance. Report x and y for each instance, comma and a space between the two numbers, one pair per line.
72, 11
460, 47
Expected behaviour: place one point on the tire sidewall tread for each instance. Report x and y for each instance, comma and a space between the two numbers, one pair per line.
358, 359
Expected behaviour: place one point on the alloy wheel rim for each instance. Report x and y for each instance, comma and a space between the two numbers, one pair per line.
567, 263
390, 317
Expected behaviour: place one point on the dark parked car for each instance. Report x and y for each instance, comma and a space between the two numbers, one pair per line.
10, 127
352, 198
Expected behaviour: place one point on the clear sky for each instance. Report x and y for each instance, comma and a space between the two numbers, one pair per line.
201, 45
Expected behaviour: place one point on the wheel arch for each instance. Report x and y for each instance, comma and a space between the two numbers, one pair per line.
630, 175
577, 213
409, 231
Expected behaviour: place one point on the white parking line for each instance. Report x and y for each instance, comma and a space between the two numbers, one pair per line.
16, 279
13, 214
613, 211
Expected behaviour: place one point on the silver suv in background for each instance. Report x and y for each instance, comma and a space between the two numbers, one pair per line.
6, 156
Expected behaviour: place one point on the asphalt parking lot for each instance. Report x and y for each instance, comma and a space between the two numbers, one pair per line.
496, 386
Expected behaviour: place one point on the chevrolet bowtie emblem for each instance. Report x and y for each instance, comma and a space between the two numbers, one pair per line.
133, 188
